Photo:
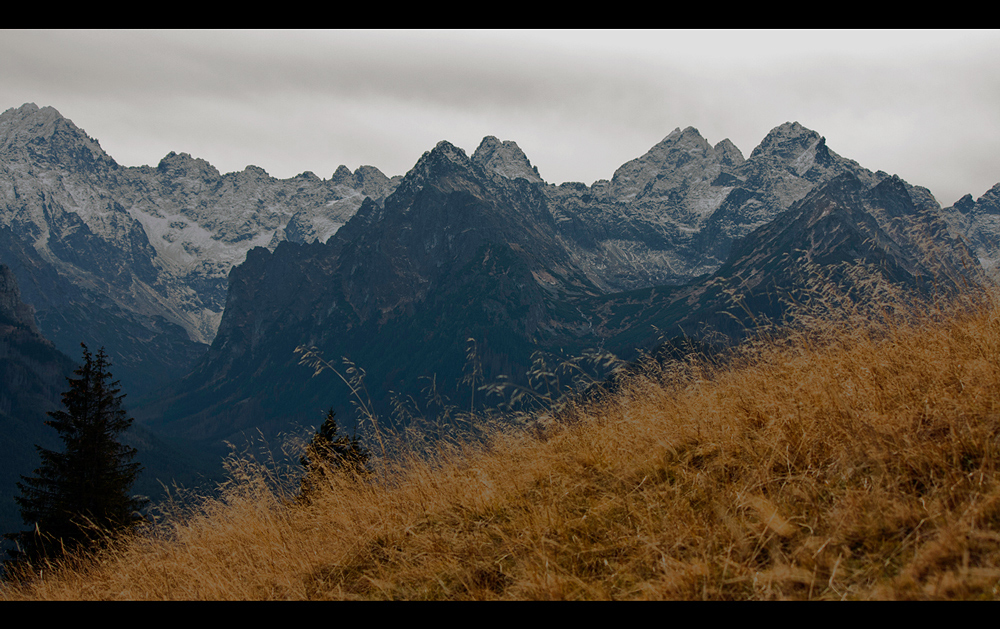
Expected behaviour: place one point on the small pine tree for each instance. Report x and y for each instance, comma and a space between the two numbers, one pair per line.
328, 453
83, 493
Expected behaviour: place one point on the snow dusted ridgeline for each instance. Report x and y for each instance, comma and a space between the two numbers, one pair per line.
139, 258
202, 223
482, 248
674, 213
151, 245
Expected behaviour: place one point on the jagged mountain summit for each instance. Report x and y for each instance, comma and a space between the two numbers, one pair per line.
475, 252
457, 241
432, 283
505, 159
979, 223
137, 258
201, 223
673, 214
160, 264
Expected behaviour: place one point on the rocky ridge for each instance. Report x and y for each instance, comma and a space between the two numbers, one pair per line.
475, 250
979, 223
146, 249
673, 214
410, 276
139, 259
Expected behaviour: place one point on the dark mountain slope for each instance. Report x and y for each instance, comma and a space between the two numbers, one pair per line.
32, 376
459, 252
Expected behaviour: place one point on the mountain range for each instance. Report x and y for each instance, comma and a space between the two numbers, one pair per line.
136, 258
201, 285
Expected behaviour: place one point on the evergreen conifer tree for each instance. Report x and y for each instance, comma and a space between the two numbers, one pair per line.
78, 495
328, 453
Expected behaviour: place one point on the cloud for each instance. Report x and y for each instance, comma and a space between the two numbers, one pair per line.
580, 104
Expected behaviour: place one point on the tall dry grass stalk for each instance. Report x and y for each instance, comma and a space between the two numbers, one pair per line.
854, 457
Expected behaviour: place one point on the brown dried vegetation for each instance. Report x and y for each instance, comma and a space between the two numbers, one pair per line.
853, 457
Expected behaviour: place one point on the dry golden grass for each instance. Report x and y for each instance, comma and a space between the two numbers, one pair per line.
855, 458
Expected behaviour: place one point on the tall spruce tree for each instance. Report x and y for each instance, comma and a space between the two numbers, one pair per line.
83, 493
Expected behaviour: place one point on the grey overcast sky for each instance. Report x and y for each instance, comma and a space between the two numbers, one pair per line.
921, 104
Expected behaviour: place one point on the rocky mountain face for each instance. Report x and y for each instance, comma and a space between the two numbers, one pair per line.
458, 251
979, 223
478, 253
14, 312
840, 227
136, 259
673, 214
180, 269
457, 274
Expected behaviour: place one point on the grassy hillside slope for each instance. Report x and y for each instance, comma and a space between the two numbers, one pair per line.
855, 456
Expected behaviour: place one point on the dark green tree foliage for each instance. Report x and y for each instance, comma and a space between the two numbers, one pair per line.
83, 493
329, 453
